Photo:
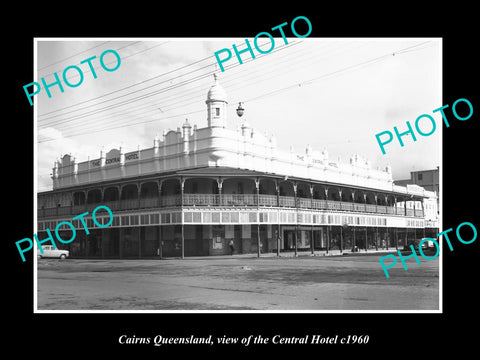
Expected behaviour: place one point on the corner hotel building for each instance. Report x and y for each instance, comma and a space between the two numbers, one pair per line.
197, 189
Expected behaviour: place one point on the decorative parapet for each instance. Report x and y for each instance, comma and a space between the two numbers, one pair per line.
191, 147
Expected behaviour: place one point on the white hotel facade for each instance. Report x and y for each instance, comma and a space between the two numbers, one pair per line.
197, 189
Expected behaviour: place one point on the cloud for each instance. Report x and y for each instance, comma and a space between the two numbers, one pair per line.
53, 145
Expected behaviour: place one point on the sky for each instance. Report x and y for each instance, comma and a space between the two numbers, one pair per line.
329, 93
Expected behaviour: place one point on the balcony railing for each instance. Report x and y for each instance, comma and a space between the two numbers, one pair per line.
234, 200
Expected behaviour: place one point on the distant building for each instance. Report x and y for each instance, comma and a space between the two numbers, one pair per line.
428, 179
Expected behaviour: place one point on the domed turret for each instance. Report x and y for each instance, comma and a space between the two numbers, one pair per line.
216, 105
216, 92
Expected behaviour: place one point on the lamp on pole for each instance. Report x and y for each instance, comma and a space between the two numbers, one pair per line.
240, 110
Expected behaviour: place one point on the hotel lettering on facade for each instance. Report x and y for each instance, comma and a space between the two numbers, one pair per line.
197, 189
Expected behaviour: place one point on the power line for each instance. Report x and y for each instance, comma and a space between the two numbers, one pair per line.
155, 110
130, 86
69, 57
123, 58
127, 87
128, 101
165, 104
309, 81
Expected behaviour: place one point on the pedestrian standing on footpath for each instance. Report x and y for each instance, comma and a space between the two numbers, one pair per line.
232, 248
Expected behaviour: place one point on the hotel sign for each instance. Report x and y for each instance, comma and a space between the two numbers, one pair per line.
115, 159
112, 160
131, 156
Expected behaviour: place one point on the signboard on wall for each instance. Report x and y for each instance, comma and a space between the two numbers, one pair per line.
217, 242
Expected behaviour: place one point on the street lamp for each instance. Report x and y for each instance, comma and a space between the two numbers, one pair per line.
240, 110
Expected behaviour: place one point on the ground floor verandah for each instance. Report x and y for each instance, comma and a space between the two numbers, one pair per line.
165, 241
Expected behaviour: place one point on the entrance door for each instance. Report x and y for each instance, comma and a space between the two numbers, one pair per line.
289, 239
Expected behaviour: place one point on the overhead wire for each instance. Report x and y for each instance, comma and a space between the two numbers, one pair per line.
72, 56
128, 101
257, 80
310, 52
101, 96
292, 86
127, 87
87, 71
194, 92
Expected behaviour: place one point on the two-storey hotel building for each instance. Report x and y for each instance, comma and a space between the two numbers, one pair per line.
196, 190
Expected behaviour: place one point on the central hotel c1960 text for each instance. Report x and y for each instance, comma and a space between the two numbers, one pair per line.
197, 190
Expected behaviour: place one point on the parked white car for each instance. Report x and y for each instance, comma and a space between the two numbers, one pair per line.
50, 252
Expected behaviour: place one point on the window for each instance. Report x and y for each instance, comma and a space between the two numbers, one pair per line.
273, 217
207, 217
420, 177
197, 217
244, 217
225, 217
166, 218
154, 218
263, 217
177, 217
133, 219
217, 111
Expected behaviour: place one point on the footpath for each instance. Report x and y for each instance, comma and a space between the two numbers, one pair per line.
291, 254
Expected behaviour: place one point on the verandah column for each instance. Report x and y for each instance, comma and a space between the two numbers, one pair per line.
311, 237
354, 240
296, 216
366, 238
406, 238
311, 196
257, 189
414, 231
139, 188
140, 241
159, 228
387, 236
277, 189
311, 230
159, 195
329, 234
341, 239
220, 185
182, 186
103, 232
278, 238
160, 241
395, 234
120, 241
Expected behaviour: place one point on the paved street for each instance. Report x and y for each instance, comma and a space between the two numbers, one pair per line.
237, 283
